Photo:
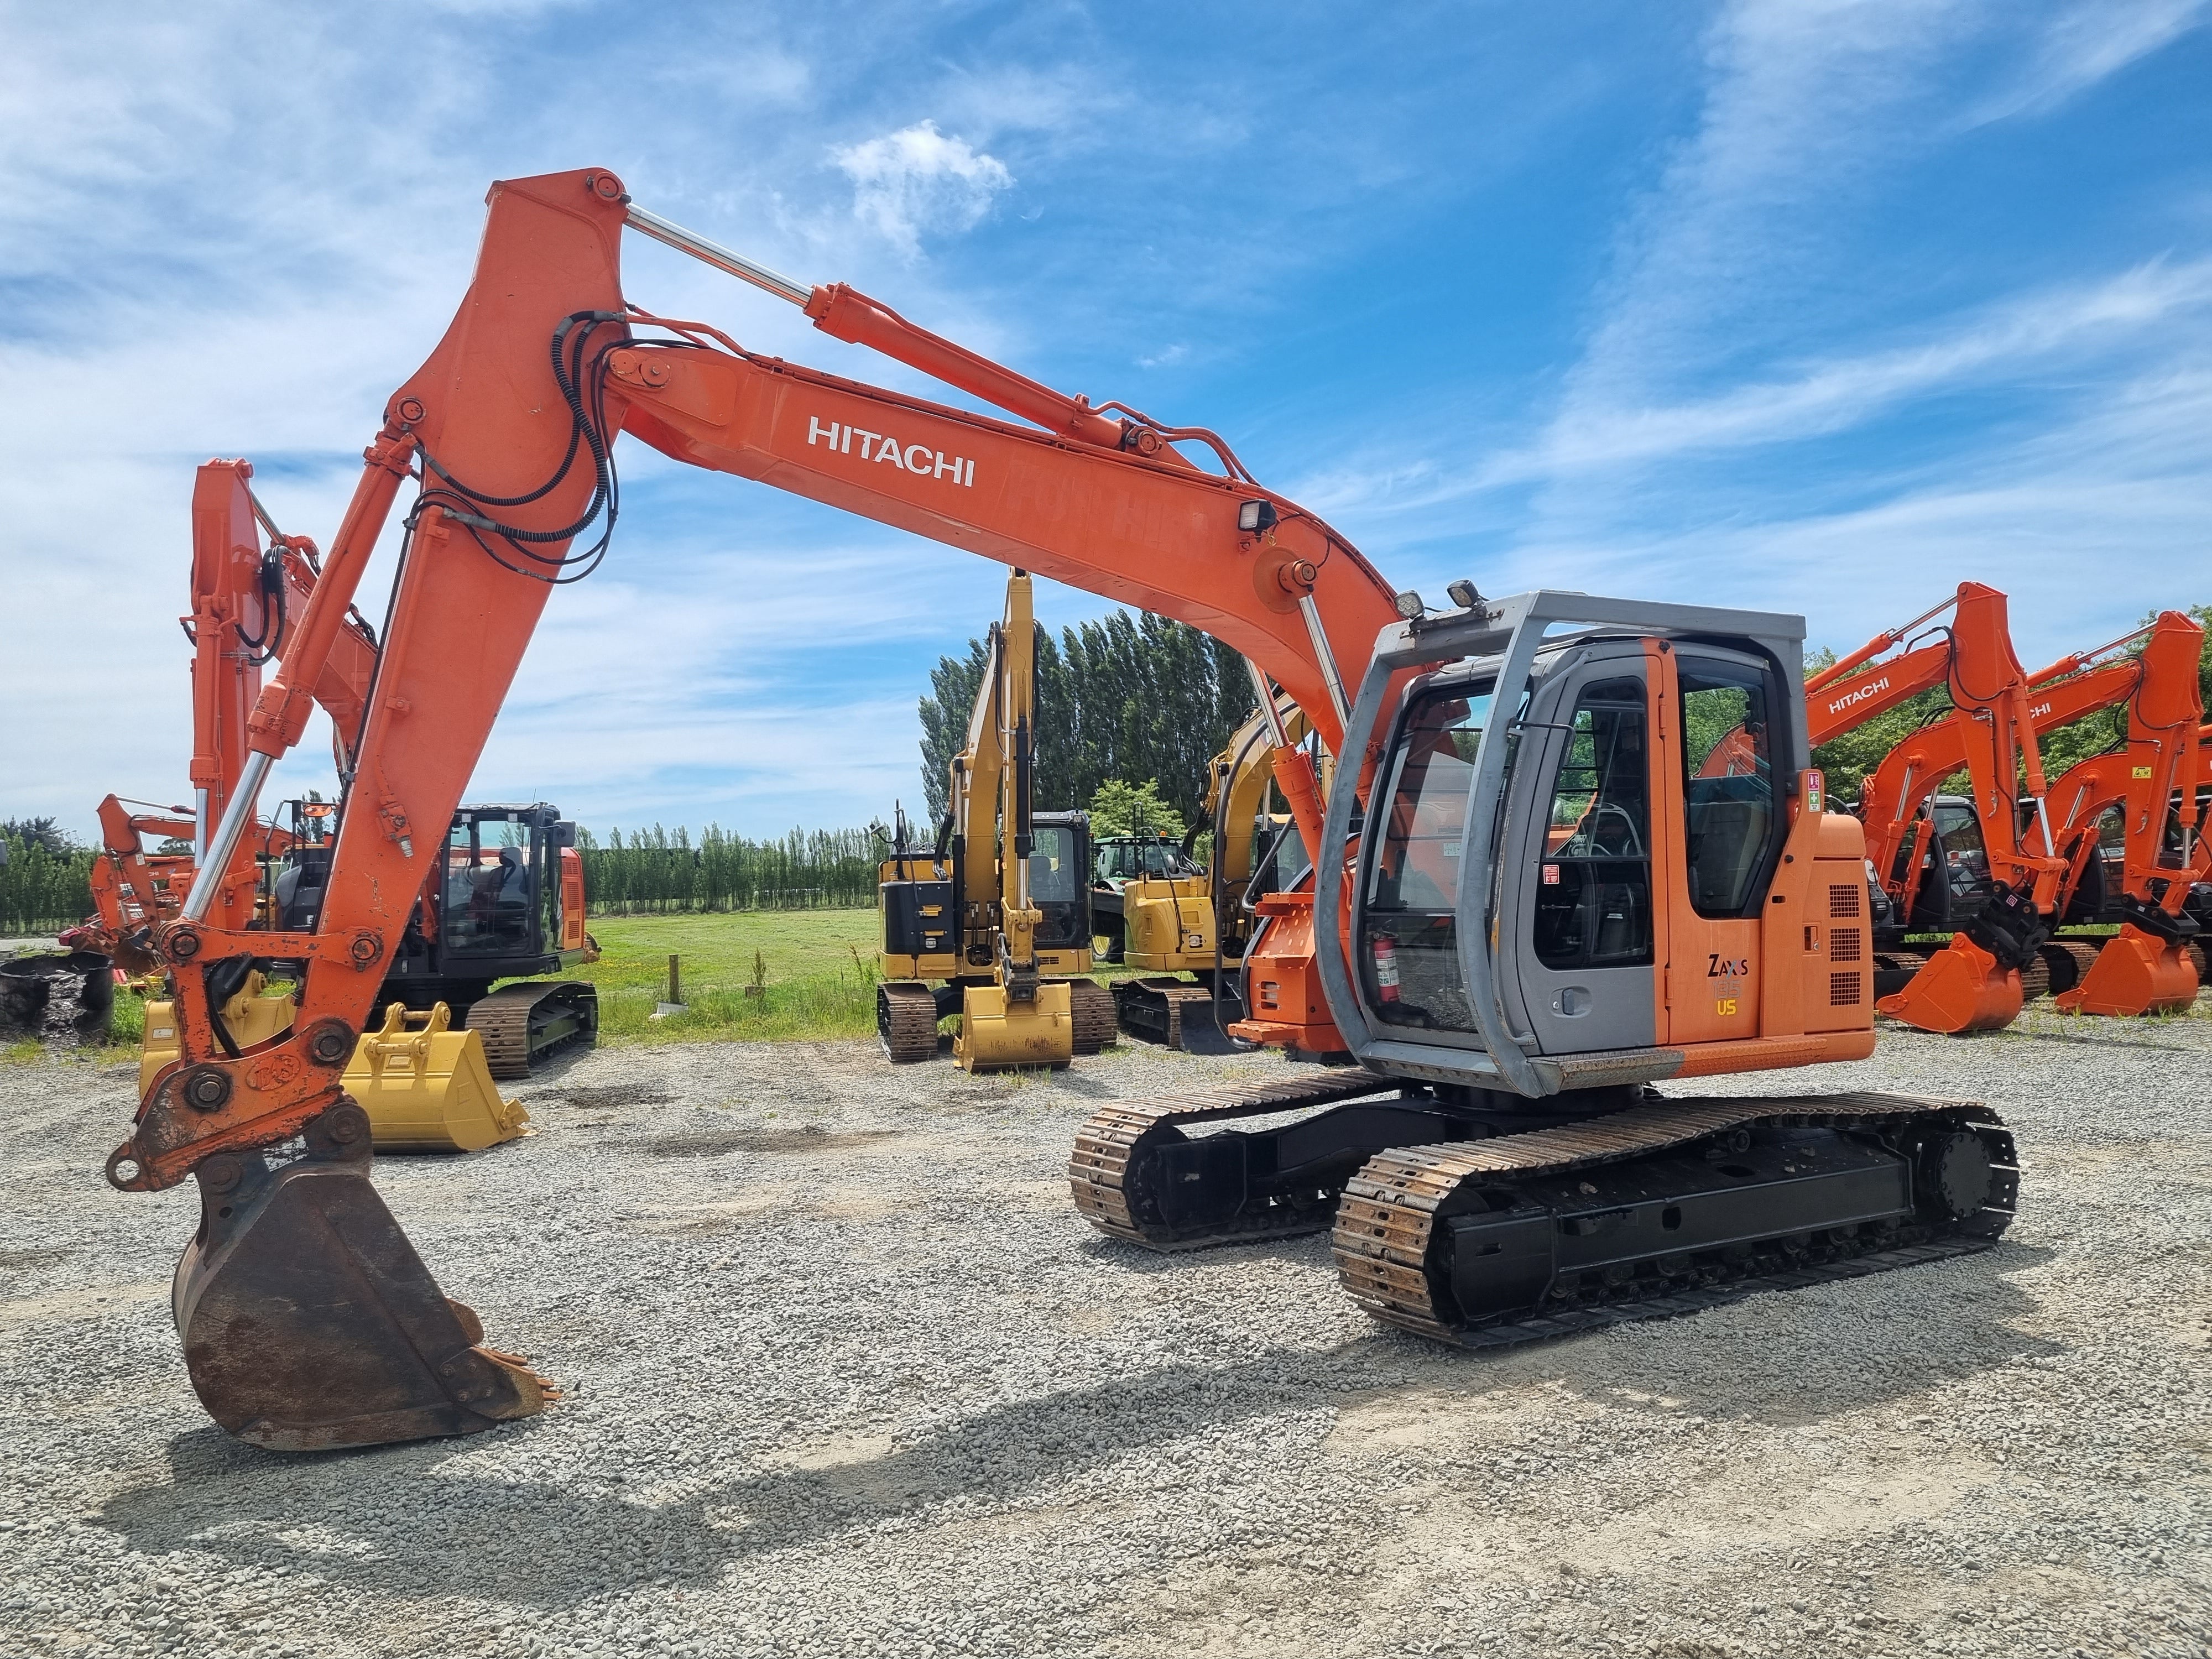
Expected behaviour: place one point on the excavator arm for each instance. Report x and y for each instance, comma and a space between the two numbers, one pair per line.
2146, 969
1895, 791
514, 419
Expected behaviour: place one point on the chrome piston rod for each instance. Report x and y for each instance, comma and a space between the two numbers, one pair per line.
237, 813
713, 253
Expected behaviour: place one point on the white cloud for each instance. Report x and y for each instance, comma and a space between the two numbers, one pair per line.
917, 180
2084, 43
1832, 396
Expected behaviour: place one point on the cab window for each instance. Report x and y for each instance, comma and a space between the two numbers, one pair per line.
1409, 926
1728, 790
1051, 864
1594, 876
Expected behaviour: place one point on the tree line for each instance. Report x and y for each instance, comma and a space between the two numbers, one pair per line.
45, 883
651, 870
1128, 698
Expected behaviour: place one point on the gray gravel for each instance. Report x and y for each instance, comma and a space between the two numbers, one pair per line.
849, 1376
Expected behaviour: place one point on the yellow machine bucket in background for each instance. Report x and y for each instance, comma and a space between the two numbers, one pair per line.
996, 1032
427, 1088
249, 1016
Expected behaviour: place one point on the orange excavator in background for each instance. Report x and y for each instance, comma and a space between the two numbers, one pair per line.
1550, 908
1924, 882
2148, 968
426, 1077
508, 905
244, 598
1974, 983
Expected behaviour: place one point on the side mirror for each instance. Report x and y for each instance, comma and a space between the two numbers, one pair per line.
563, 833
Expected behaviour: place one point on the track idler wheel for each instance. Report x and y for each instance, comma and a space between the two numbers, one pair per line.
1963, 987
308, 1321
1955, 1174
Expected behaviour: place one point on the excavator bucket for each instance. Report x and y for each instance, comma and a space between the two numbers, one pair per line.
997, 1032
427, 1088
1961, 988
2136, 972
308, 1321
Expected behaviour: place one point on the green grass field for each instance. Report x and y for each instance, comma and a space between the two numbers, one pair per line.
820, 975
818, 970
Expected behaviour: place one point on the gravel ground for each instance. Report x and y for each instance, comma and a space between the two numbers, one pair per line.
849, 1376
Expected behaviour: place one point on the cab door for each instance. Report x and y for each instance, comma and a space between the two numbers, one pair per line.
1723, 820
1578, 866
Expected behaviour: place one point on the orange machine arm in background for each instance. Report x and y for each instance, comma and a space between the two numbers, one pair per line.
244, 600
1974, 983
514, 443
259, 594
1894, 791
2147, 968
1975, 658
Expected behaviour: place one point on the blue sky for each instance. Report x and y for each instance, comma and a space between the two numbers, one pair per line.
1819, 306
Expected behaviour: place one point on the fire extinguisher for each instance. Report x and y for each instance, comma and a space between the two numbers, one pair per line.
1386, 968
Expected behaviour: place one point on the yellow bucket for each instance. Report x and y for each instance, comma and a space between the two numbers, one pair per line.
427, 1088
249, 1016
996, 1033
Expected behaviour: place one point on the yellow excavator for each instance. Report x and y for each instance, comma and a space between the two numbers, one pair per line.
1177, 919
994, 922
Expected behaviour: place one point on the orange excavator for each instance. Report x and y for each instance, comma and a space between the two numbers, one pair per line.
245, 597
1897, 802
1550, 908
1974, 983
2155, 780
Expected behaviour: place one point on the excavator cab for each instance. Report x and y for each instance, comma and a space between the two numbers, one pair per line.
1591, 859
1060, 856
294, 881
1634, 801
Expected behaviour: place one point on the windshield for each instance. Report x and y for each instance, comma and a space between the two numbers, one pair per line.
1051, 864
1409, 926
1125, 861
1432, 772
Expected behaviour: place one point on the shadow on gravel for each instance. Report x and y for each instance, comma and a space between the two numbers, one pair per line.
1134, 1258
394, 1520
1793, 1357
